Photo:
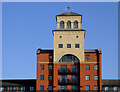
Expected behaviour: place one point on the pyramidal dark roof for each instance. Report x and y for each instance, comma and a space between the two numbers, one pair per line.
69, 13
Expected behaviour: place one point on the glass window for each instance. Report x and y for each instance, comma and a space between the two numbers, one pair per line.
87, 87
41, 67
50, 56
95, 77
63, 88
60, 45
68, 45
22, 88
87, 56
49, 77
95, 87
41, 77
10, 88
74, 68
68, 24
75, 24
106, 88
74, 88
63, 79
31, 88
87, 67
62, 24
87, 77
63, 68
76, 45
41, 88
69, 58
95, 67
49, 87
14, 88
74, 79
50, 67
115, 88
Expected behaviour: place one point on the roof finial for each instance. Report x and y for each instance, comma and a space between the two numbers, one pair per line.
68, 7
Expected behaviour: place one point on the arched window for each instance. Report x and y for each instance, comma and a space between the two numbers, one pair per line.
68, 24
69, 58
76, 24
62, 24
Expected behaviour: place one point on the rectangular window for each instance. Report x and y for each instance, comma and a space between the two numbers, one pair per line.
106, 88
60, 45
74, 88
49, 87
95, 77
95, 67
115, 88
74, 68
68, 45
49, 77
74, 79
63, 79
63, 68
41, 88
50, 56
87, 87
76, 45
63, 88
50, 67
87, 56
31, 88
22, 88
87, 67
87, 77
41, 77
41, 67
95, 87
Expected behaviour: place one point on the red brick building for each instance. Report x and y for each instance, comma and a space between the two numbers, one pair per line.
69, 67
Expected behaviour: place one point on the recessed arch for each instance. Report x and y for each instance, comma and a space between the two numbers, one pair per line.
69, 58
75, 24
69, 24
62, 24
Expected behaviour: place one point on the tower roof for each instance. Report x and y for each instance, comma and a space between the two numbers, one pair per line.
69, 13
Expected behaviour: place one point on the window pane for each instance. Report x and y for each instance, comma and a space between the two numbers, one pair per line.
87, 87
87, 77
76, 24
50, 67
63, 88
74, 79
49, 77
74, 68
41, 77
68, 45
63, 79
22, 88
87, 56
95, 87
68, 24
106, 88
41, 67
50, 57
115, 88
76, 45
49, 87
60, 45
62, 24
31, 88
74, 88
95, 77
63, 68
95, 67
41, 88
87, 67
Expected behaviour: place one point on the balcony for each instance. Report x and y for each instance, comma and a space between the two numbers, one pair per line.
67, 82
67, 72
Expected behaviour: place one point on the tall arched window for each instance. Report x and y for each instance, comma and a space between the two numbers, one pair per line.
62, 24
76, 24
69, 24
69, 58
